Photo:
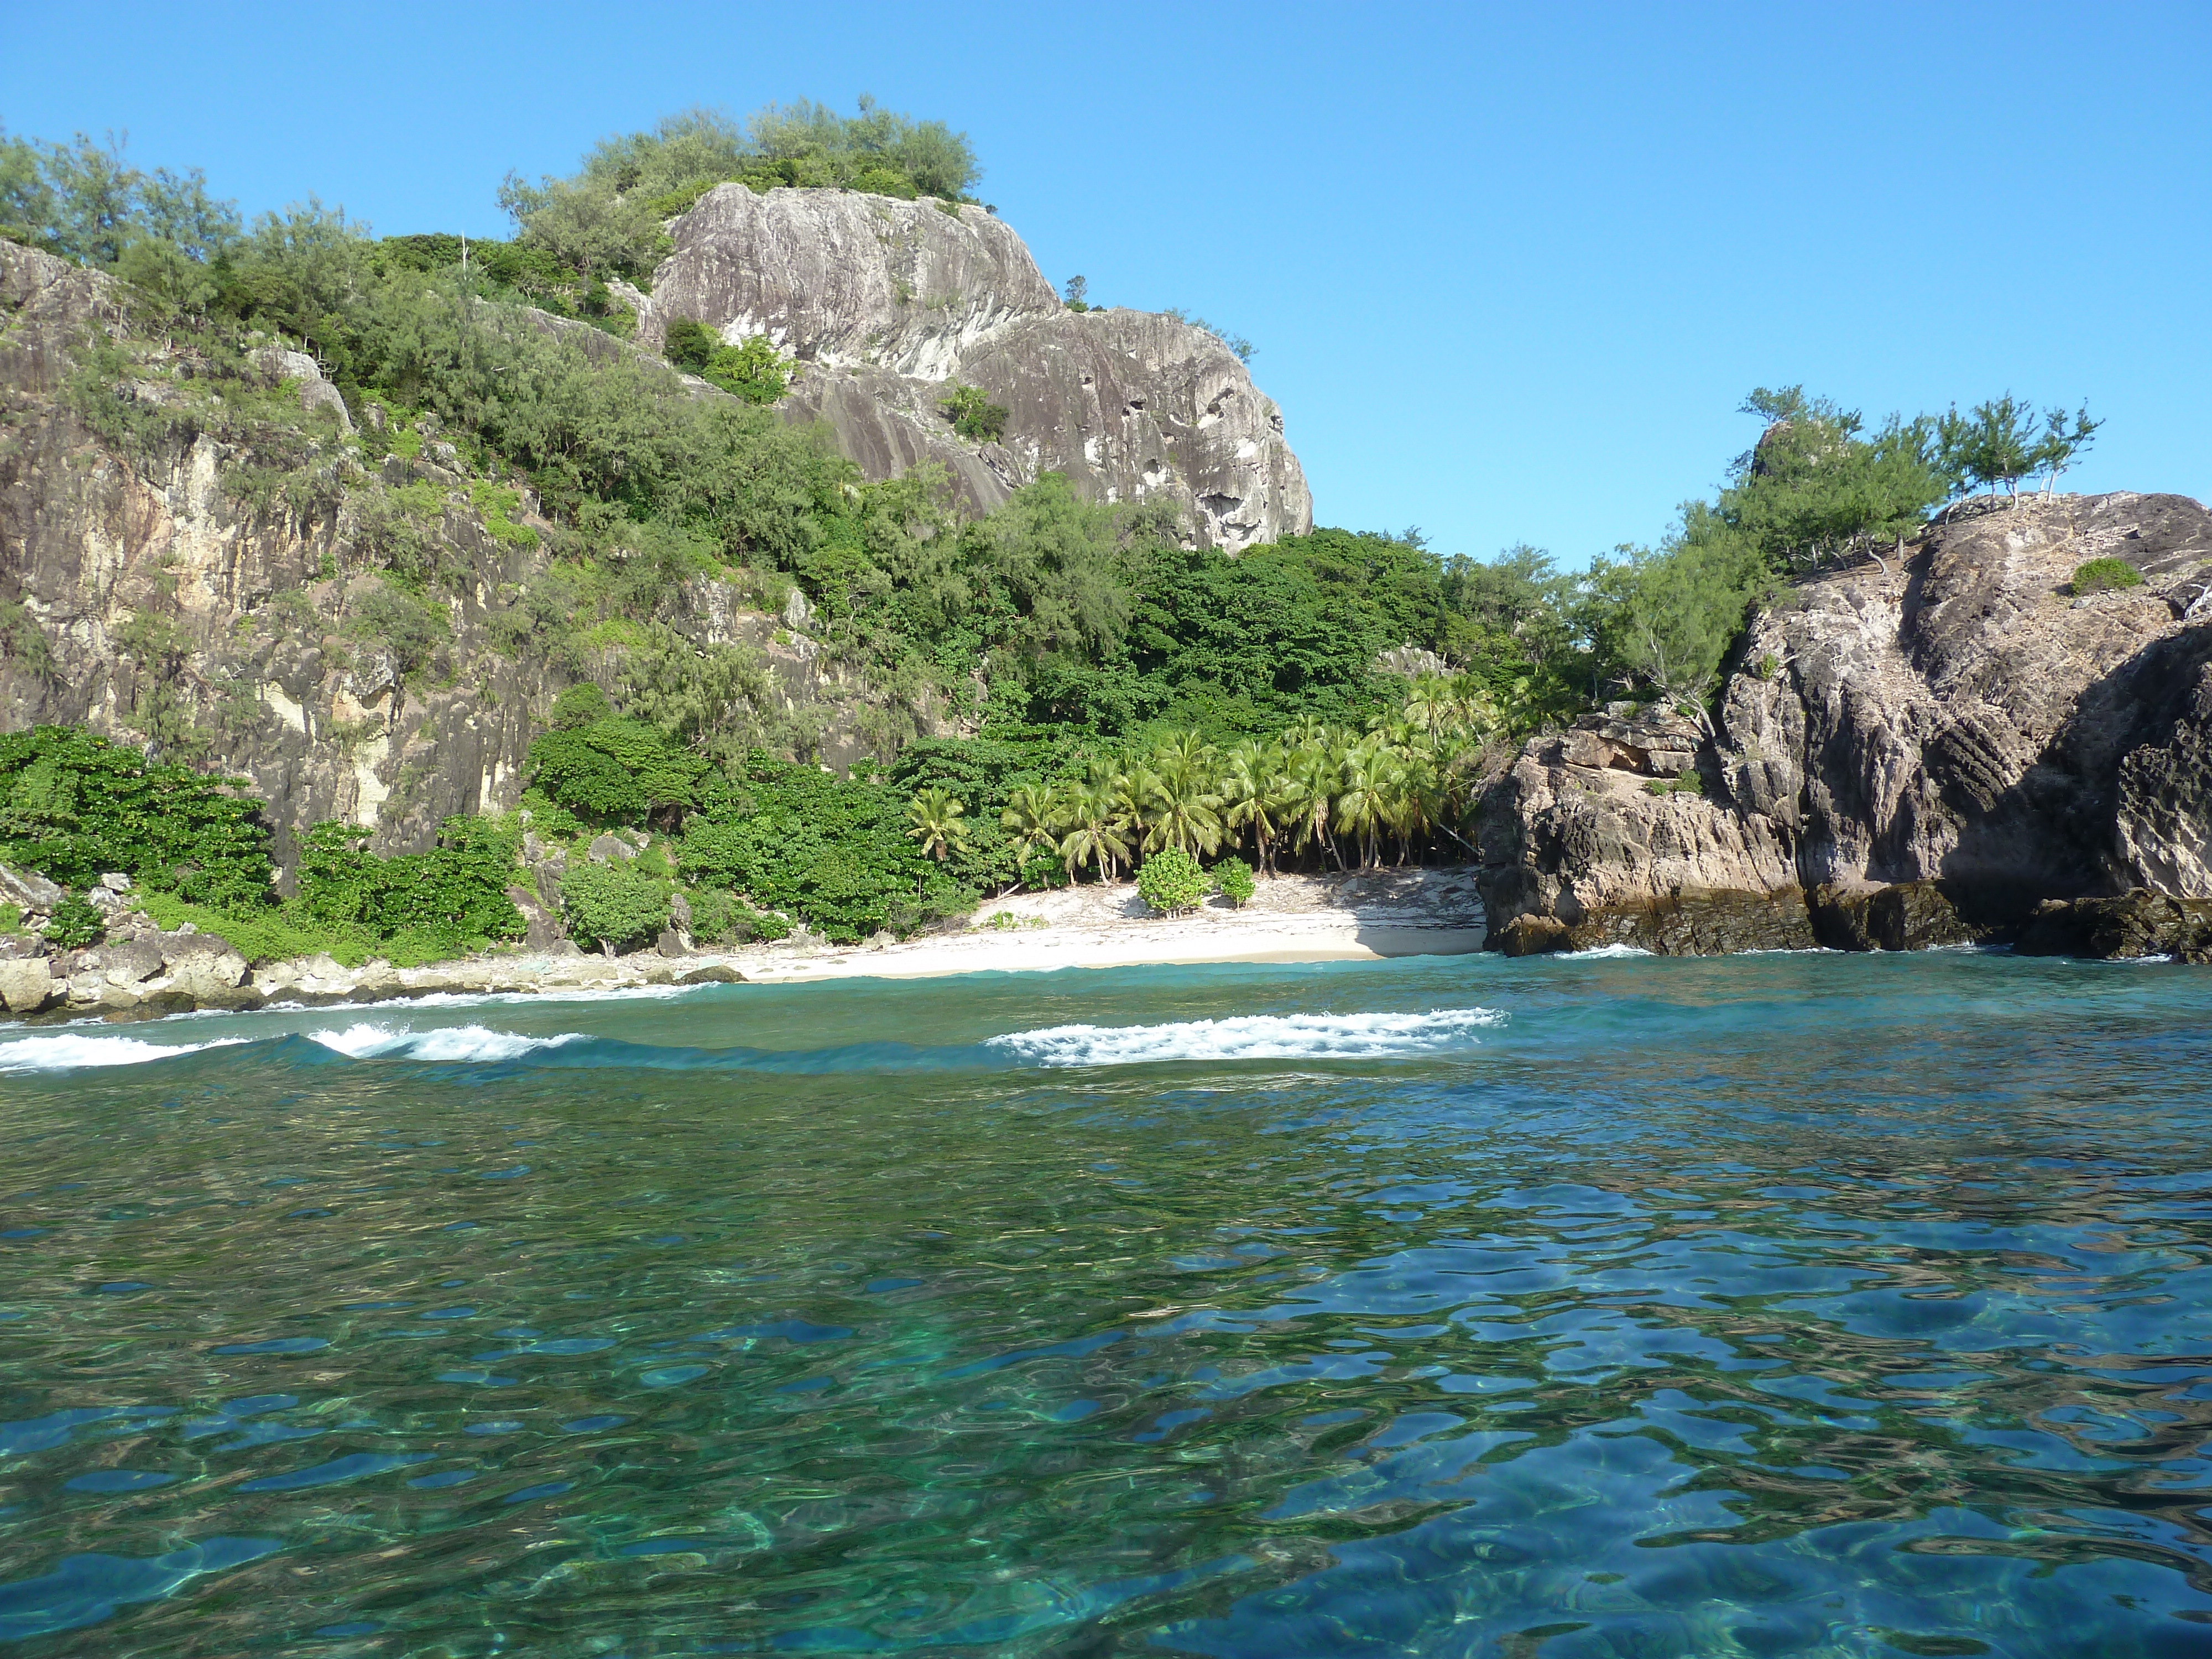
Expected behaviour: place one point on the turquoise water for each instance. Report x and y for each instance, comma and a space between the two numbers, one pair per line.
1786, 1304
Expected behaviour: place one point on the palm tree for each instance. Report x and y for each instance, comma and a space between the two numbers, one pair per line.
1311, 787
1029, 813
938, 823
1184, 807
1254, 793
1032, 812
1094, 834
1370, 775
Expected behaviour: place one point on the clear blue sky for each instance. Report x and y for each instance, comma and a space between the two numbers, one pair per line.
1510, 269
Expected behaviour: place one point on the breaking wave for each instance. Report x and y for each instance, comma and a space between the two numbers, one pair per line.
67, 1051
456, 1042
1251, 1037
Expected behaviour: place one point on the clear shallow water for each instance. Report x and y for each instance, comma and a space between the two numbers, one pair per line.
1771, 1305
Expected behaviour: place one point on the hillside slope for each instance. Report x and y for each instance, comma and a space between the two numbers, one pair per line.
223, 595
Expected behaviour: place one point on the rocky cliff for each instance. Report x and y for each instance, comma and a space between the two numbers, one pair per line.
153, 594
1957, 747
884, 302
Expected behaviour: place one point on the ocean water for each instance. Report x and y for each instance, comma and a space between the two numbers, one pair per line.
1782, 1304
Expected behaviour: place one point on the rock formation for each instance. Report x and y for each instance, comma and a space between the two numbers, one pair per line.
886, 302
94, 544
1956, 748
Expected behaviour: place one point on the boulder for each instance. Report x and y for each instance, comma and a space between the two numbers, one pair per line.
886, 302
2131, 925
544, 928
1930, 750
208, 976
130, 962
1912, 915
27, 985
188, 944
28, 891
610, 849
714, 973
674, 943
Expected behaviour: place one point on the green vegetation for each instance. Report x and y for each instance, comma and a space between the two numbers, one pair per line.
605, 219
1233, 878
1171, 882
75, 922
75, 807
2100, 575
973, 415
616, 905
448, 900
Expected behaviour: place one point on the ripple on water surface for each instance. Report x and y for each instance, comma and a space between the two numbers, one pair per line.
1587, 1308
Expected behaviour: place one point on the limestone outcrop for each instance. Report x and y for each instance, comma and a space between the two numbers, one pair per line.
884, 302
1960, 732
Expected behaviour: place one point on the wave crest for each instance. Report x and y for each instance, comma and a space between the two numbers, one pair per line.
366, 1041
67, 1051
1252, 1036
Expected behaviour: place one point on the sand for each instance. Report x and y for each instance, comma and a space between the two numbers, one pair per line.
1334, 918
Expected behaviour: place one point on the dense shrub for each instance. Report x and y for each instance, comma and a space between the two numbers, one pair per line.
454, 896
973, 415
615, 904
1234, 877
75, 922
2100, 575
1171, 881
612, 770
833, 851
74, 806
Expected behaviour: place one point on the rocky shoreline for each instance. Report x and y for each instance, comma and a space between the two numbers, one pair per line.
1956, 748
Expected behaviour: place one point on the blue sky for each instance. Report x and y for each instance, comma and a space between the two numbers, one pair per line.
1509, 270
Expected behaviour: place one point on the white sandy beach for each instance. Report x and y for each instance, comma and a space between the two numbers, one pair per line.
1334, 918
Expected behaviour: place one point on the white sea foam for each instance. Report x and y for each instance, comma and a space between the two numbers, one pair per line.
452, 1042
1252, 1036
67, 1051
1609, 953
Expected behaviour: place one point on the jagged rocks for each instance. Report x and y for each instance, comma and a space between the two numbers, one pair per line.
2131, 925
1678, 924
885, 302
1929, 750
1907, 916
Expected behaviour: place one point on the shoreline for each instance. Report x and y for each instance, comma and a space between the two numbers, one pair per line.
1364, 915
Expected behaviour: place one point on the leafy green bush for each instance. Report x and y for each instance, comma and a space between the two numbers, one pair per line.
973, 415
455, 895
1171, 881
74, 806
614, 904
754, 370
2101, 575
690, 344
75, 922
830, 850
611, 771
1234, 877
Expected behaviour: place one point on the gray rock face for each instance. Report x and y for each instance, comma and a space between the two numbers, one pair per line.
1964, 727
885, 302
92, 539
